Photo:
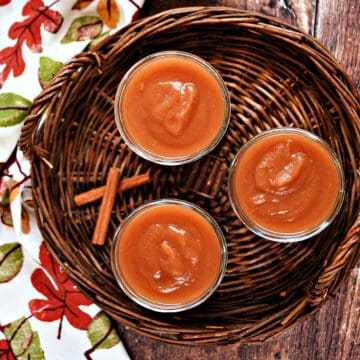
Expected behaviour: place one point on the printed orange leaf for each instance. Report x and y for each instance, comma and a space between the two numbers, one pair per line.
25, 221
81, 4
14, 190
109, 12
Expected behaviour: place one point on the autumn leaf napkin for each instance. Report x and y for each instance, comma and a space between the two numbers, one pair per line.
42, 313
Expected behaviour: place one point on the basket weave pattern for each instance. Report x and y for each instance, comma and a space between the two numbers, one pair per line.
277, 76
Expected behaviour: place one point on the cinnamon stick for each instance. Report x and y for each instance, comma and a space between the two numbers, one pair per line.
106, 207
125, 184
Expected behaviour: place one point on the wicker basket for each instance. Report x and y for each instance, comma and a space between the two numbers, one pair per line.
277, 76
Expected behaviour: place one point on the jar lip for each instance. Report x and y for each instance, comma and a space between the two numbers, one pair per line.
161, 159
286, 237
165, 307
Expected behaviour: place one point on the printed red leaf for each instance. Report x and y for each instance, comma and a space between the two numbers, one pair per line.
52, 267
18, 30
4, 2
45, 310
5, 351
62, 298
28, 32
13, 60
53, 21
76, 317
40, 14
43, 284
31, 6
135, 15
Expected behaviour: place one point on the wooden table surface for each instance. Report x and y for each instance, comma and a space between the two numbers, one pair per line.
333, 331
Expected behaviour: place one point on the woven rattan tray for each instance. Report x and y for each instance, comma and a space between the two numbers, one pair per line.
277, 76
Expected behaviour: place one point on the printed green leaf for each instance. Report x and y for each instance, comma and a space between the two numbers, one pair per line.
47, 69
97, 41
24, 342
5, 197
101, 333
13, 109
11, 260
83, 28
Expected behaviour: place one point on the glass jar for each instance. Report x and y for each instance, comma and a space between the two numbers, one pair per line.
169, 255
172, 107
286, 184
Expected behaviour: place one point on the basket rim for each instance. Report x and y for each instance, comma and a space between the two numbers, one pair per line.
95, 59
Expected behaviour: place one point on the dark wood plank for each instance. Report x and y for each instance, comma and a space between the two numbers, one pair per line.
338, 28
300, 13
333, 331
336, 24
